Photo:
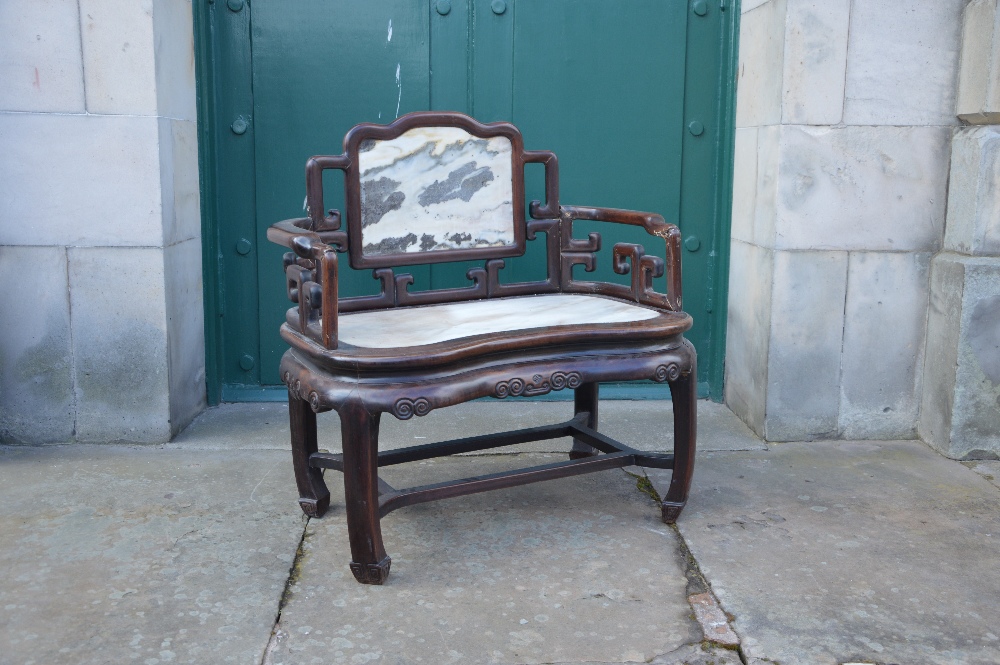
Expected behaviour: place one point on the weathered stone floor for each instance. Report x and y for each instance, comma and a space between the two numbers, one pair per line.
196, 552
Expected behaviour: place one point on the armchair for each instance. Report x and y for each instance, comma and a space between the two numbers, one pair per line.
438, 187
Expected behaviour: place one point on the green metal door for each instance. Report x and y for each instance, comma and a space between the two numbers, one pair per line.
610, 87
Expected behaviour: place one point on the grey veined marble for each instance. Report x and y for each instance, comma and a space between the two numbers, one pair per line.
436, 188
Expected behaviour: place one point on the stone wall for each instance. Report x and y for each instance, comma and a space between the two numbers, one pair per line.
960, 412
101, 333
845, 115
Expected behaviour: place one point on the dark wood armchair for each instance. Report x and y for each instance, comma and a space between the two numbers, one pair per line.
439, 187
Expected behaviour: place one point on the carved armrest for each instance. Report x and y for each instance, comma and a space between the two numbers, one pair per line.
284, 233
311, 271
628, 257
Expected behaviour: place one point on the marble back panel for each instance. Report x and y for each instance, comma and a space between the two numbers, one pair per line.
433, 189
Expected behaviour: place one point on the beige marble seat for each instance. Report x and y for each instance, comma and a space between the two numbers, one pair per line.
440, 334
432, 324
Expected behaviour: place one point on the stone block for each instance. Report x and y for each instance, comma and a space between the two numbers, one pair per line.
747, 5
974, 192
120, 344
884, 325
179, 180
744, 184
36, 365
519, 586
143, 555
40, 64
848, 553
768, 164
758, 95
960, 407
862, 188
79, 180
807, 326
814, 61
118, 56
944, 317
748, 331
975, 430
979, 69
902, 62
173, 33
185, 332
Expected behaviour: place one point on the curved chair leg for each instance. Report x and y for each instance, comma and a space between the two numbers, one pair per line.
359, 433
684, 393
314, 497
585, 399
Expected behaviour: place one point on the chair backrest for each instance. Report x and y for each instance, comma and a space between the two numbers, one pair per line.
437, 187
431, 187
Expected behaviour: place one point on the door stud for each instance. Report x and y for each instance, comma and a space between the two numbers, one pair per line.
239, 126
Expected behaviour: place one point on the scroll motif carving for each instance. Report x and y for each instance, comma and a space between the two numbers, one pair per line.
538, 385
405, 408
627, 258
668, 372
486, 280
298, 391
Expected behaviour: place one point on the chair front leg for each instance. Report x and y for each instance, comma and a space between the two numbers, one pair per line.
585, 399
359, 433
314, 497
684, 395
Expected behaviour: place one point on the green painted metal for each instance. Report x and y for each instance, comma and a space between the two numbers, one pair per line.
612, 88
205, 78
338, 59
609, 103
706, 190
227, 175
727, 34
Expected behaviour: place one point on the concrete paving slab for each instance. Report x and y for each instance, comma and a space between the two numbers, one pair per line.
644, 424
833, 552
692, 654
573, 570
118, 554
988, 469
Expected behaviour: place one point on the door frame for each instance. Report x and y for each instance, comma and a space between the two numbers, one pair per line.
712, 45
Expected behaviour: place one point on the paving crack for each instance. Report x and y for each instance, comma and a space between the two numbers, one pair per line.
716, 624
694, 653
277, 634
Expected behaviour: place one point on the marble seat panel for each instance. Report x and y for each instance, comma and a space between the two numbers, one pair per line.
418, 326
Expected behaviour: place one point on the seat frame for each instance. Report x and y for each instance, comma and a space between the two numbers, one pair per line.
363, 383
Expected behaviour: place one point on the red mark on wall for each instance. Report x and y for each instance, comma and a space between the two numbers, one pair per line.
38, 82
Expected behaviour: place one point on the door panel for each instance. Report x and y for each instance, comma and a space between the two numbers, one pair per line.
605, 85
587, 94
319, 68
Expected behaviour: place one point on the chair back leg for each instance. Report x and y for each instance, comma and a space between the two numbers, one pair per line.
585, 399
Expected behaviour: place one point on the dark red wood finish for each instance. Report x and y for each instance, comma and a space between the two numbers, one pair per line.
362, 383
